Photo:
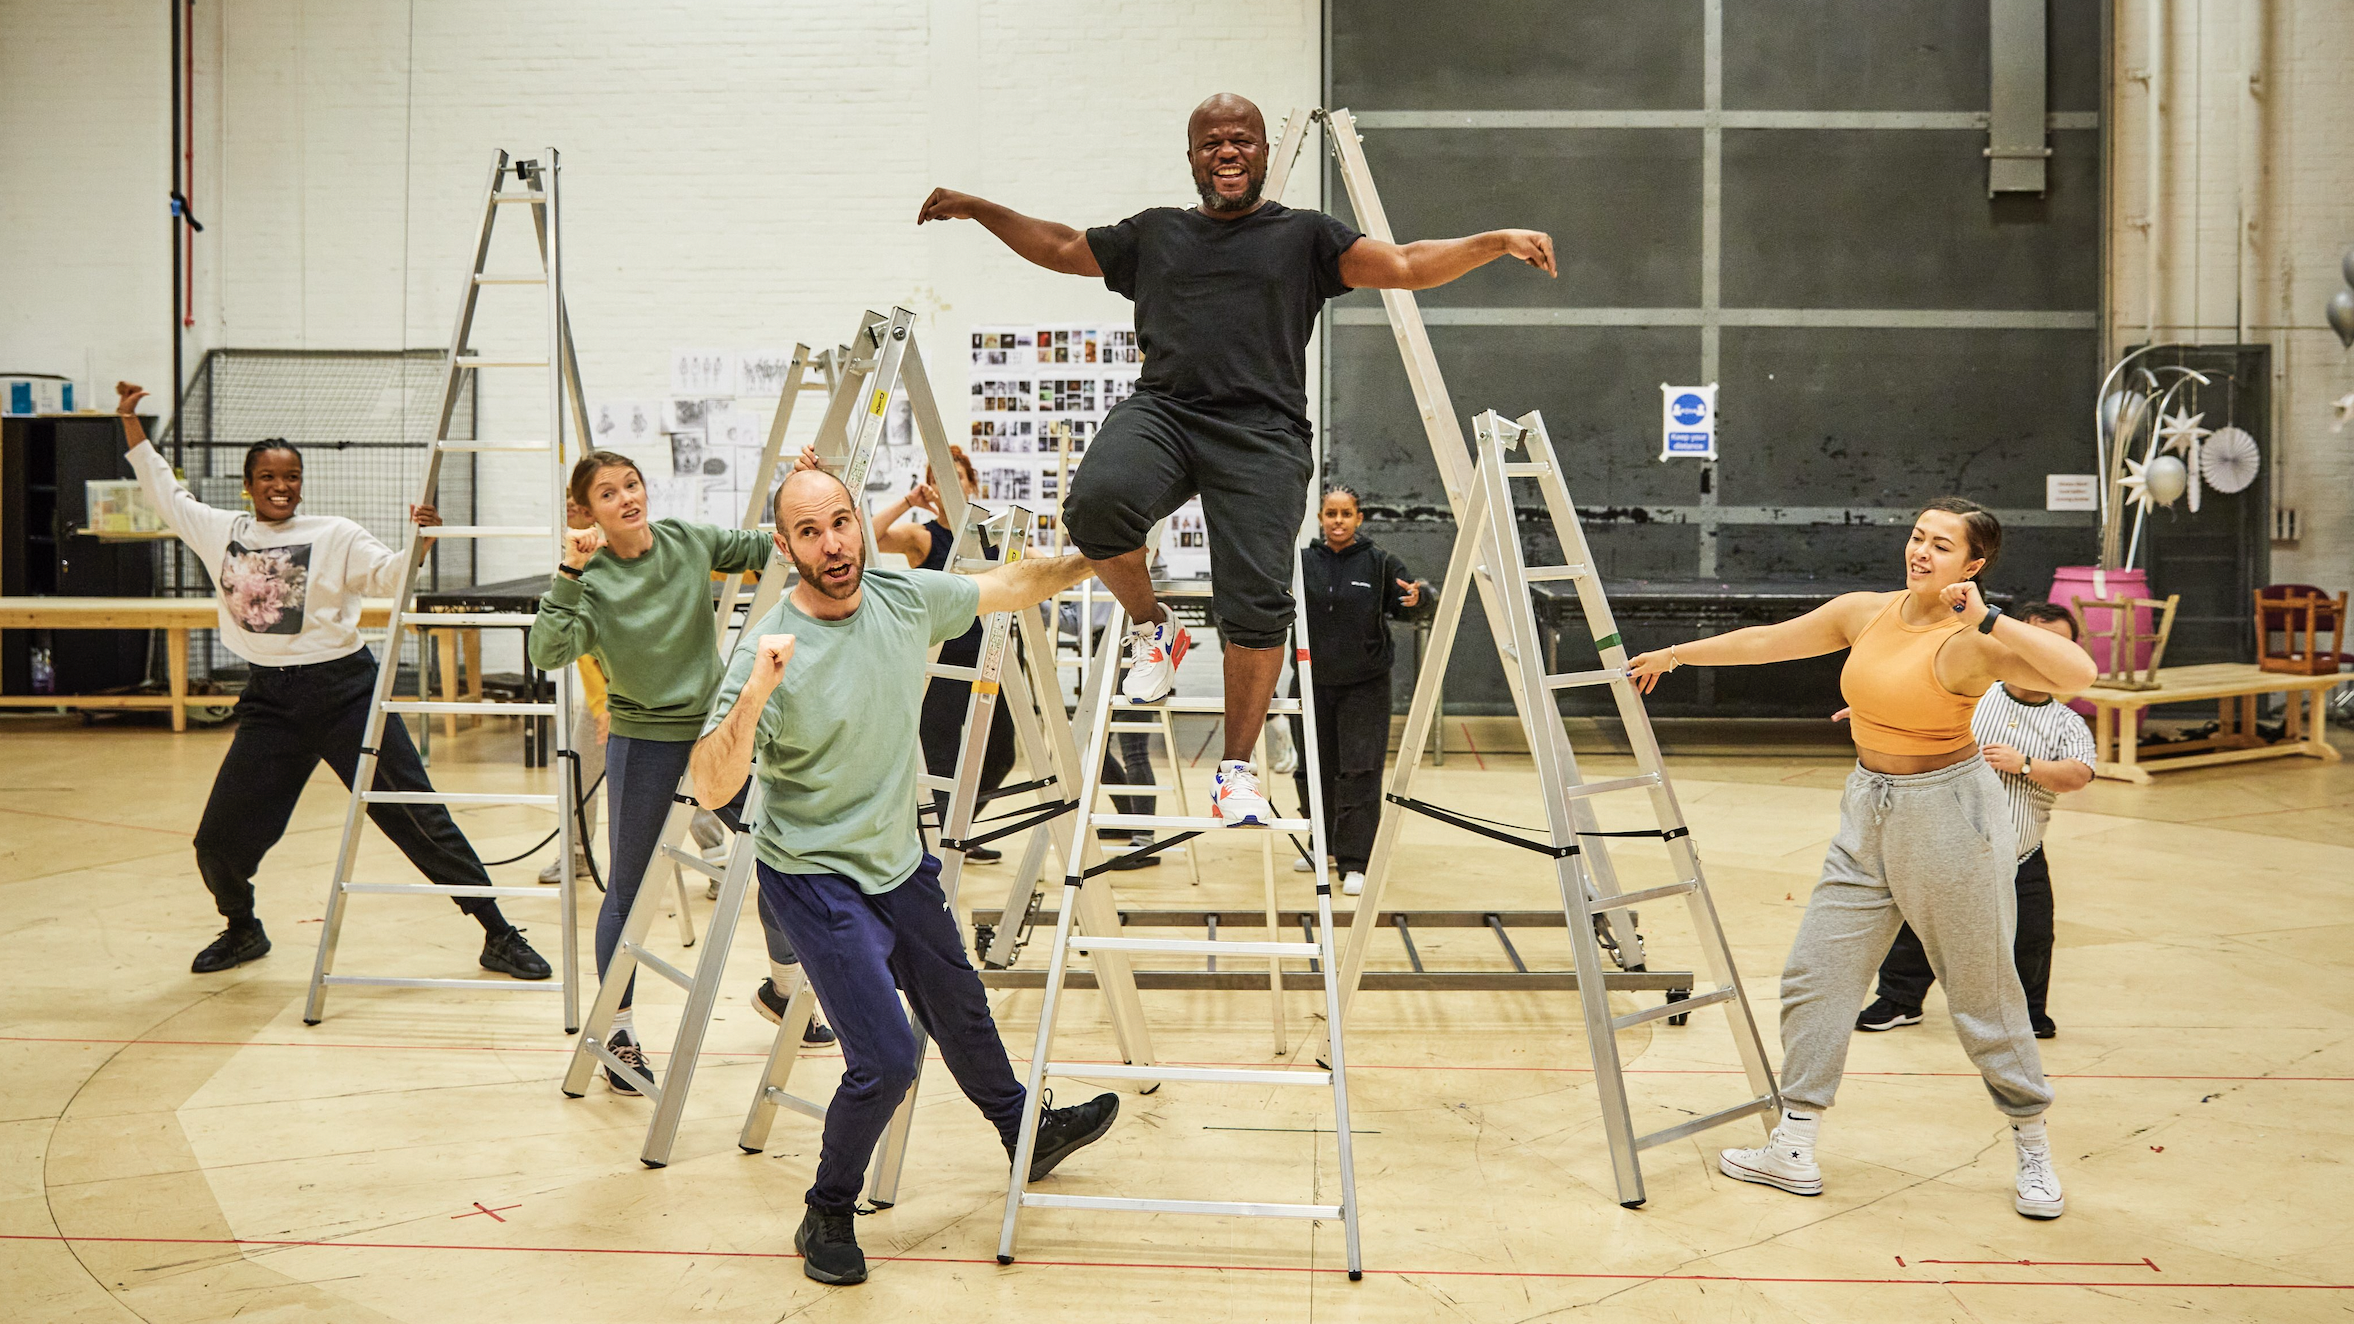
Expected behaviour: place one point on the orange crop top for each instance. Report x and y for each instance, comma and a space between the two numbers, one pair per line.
1895, 703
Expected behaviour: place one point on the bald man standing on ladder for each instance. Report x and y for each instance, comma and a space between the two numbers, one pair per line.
1226, 296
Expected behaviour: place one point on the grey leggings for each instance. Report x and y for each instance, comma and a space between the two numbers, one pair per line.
1933, 849
640, 778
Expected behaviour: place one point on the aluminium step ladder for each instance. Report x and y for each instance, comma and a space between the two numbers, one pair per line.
882, 358
1100, 705
1488, 552
532, 184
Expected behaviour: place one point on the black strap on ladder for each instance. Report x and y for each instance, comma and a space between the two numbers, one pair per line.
1044, 815
1486, 829
1121, 860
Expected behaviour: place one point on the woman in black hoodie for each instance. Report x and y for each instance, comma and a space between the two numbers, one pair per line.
1354, 590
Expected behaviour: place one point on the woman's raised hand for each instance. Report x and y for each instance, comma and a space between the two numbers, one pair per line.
1964, 598
581, 544
1645, 669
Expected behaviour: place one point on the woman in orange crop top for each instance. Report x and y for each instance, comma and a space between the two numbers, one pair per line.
1924, 835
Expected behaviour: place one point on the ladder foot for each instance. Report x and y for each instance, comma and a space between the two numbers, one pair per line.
568, 1094
308, 1021
1005, 1259
1356, 1275
878, 1206
1630, 1204
652, 1164
748, 1149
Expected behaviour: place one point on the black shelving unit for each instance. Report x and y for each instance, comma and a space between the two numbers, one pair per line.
45, 460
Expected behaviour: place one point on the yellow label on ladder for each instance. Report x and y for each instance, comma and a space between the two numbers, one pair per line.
882, 398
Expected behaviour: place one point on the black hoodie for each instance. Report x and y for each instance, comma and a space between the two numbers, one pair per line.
1352, 596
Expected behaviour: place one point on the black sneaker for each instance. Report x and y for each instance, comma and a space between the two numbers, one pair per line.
829, 1248
2045, 1029
770, 1003
507, 954
624, 1044
983, 855
1061, 1131
242, 941
1886, 1015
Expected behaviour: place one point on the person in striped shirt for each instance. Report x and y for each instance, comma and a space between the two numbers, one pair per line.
2040, 748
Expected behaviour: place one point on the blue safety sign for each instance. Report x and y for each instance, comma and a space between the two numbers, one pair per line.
1687, 422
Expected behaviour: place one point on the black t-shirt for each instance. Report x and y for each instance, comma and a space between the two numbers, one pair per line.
1224, 308
965, 649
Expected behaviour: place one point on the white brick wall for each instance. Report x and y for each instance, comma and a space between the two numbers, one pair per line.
2296, 189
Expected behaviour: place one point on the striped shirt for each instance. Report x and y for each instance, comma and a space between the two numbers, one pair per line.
2044, 732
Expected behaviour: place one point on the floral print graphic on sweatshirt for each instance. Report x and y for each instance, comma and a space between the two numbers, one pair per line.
262, 588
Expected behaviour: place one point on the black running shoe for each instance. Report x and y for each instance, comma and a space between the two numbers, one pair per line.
1061, 1131
1886, 1015
770, 1003
2045, 1029
242, 941
508, 954
829, 1248
624, 1045
983, 855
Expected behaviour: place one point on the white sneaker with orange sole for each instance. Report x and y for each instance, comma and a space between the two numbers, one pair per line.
1236, 798
1154, 650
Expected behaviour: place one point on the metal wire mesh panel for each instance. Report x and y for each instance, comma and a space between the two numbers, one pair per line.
365, 421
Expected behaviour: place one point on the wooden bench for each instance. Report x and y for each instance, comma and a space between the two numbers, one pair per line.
2235, 687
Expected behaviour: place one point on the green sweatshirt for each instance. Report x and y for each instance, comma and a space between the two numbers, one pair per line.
647, 622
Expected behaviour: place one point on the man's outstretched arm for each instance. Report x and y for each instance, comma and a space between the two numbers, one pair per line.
1371, 264
1028, 582
1050, 244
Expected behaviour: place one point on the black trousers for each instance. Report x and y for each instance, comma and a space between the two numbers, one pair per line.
288, 719
1352, 738
1905, 976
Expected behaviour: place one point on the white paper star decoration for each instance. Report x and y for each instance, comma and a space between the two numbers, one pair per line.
2181, 432
2131, 488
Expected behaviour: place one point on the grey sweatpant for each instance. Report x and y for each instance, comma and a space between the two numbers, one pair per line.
1933, 849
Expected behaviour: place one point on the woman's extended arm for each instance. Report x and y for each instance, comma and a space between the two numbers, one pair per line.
1826, 629
2018, 652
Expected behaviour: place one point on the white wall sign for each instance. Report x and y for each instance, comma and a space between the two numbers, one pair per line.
2071, 492
1687, 416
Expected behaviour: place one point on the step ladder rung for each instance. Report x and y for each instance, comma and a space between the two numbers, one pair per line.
496, 447
479, 361
783, 1098
1625, 900
1690, 1004
931, 782
504, 278
1637, 782
1179, 824
1527, 469
1194, 946
1570, 680
1175, 704
533, 198
1226, 1208
1138, 788
644, 1080
1762, 1103
1199, 1075
491, 531
690, 860
436, 889
648, 961
1537, 574
950, 671
434, 620
373, 796
488, 985
482, 709
1137, 728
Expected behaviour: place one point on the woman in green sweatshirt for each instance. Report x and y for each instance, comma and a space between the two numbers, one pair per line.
635, 594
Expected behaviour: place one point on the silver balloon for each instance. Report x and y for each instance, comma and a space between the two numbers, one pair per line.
2346, 266
2165, 478
2121, 416
2341, 317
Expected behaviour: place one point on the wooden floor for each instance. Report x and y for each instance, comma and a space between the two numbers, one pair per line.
183, 1148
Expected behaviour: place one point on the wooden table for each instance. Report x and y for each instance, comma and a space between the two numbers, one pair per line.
174, 616
2235, 687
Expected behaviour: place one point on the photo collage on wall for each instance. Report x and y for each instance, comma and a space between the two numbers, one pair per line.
699, 448
1039, 390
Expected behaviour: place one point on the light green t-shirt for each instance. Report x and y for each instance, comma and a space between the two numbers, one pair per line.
837, 747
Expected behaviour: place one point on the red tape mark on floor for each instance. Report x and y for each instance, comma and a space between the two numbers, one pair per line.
754, 1054
1214, 1268
481, 1208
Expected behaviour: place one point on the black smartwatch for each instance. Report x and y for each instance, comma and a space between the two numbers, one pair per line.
564, 569
1987, 626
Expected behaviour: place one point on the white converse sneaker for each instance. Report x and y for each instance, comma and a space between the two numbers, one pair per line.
1353, 884
2039, 1184
1236, 798
1786, 1161
1154, 650
1299, 864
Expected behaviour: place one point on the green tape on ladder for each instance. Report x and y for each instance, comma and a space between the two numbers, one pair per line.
1607, 641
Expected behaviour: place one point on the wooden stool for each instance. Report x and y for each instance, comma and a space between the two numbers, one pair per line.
2299, 613
2126, 638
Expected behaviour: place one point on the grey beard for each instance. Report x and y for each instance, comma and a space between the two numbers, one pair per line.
1212, 200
